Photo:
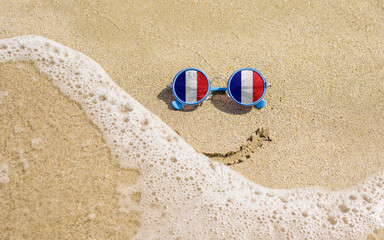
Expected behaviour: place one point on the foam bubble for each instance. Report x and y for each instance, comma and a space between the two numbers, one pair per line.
91, 216
4, 173
18, 128
3, 94
36, 143
181, 193
23, 160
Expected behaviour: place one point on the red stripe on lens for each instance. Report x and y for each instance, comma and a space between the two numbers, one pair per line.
258, 86
202, 86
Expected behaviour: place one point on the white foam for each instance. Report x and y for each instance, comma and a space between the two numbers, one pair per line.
91, 216
36, 143
18, 128
3, 94
181, 193
23, 160
4, 173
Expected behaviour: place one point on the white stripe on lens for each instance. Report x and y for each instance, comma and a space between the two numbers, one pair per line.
246, 86
191, 86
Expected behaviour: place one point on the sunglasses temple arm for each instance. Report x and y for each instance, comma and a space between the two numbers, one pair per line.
218, 89
177, 105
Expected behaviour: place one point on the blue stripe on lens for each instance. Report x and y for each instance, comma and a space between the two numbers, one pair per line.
235, 86
180, 86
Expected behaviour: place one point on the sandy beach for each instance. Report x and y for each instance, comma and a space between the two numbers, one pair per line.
322, 126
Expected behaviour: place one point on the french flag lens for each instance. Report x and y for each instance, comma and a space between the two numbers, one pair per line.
246, 86
191, 86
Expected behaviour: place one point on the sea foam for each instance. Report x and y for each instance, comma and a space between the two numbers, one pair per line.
4, 173
3, 94
181, 193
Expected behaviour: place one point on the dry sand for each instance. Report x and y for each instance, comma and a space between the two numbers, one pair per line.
325, 112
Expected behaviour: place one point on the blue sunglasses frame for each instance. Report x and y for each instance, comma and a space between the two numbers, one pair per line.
178, 103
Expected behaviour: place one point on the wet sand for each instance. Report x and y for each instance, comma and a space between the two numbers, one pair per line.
62, 178
322, 125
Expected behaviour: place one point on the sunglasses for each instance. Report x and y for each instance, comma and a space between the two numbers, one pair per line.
246, 87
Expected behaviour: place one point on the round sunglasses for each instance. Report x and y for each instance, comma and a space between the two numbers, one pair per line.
246, 86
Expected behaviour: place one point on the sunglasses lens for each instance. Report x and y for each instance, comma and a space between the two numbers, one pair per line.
191, 86
246, 86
